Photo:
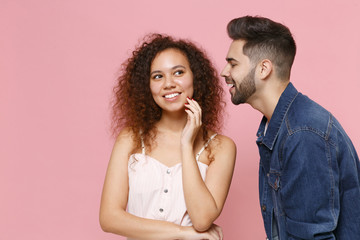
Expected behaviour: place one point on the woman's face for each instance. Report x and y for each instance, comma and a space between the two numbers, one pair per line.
171, 80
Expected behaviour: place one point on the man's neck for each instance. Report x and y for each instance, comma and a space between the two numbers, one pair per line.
266, 100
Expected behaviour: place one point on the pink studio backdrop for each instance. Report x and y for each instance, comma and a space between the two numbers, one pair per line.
57, 66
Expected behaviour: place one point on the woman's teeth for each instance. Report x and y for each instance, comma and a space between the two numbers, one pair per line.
230, 85
172, 95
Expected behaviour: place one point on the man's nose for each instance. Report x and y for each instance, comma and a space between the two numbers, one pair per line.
225, 71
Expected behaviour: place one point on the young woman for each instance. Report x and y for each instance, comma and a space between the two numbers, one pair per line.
169, 172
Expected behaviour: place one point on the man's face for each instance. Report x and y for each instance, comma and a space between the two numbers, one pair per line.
239, 73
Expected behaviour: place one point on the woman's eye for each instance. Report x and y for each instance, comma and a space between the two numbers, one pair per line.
179, 72
157, 76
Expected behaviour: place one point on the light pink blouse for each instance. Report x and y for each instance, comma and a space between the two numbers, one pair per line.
156, 191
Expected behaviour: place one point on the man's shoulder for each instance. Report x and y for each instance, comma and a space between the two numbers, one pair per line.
304, 113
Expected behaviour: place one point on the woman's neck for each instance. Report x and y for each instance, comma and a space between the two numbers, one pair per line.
173, 122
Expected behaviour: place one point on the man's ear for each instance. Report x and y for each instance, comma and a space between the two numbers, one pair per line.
265, 69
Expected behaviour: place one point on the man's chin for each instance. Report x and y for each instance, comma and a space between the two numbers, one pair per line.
236, 101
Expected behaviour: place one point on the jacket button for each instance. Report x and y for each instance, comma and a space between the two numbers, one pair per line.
263, 208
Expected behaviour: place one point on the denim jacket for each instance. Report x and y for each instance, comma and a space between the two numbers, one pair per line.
309, 173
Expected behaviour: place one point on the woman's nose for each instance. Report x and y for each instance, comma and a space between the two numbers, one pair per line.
169, 82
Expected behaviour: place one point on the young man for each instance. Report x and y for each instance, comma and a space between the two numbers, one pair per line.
309, 170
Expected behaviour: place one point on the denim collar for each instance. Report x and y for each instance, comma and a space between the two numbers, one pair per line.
283, 105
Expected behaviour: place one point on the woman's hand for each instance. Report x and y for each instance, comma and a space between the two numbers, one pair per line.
213, 233
193, 124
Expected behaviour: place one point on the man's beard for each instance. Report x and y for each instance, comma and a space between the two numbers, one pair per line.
245, 89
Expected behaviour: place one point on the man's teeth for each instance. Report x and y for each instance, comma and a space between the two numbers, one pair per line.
230, 85
172, 95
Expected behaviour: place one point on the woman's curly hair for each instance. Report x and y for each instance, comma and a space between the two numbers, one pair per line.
133, 105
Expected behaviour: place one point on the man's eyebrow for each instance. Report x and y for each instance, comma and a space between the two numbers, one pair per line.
231, 59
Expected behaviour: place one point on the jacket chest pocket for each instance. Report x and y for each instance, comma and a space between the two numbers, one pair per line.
274, 180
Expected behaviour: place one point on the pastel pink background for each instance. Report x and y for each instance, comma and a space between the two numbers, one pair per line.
58, 61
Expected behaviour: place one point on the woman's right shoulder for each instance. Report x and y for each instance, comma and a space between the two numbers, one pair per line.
126, 133
123, 147
125, 138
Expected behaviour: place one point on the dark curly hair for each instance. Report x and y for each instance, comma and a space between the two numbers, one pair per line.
133, 105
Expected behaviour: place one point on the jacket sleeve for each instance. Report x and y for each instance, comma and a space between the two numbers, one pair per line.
309, 186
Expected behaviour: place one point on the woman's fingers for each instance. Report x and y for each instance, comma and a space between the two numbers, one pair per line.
194, 107
192, 114
192, 234
196, 104
218, 230
191, 117
193, 124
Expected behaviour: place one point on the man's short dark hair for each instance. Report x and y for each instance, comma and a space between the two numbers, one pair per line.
265, 39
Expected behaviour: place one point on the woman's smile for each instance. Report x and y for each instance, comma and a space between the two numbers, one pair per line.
171, 80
